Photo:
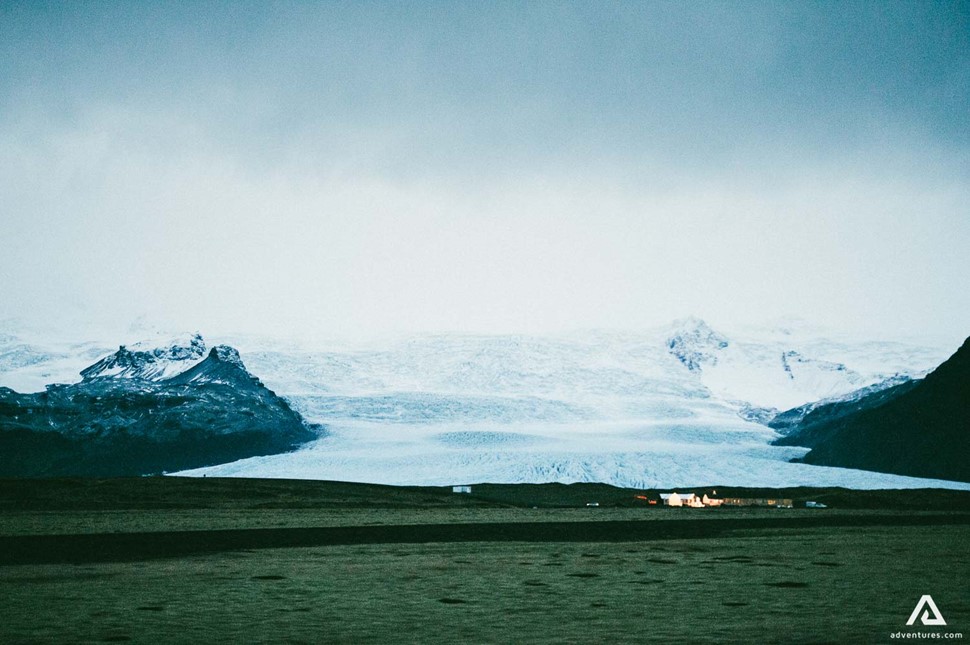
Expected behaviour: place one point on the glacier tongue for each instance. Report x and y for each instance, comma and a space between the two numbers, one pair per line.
627, 456
609, 407
624, 408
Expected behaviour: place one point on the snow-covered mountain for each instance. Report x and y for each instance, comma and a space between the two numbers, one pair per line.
150, 361
695, 344
118, 423
29, 361
779, 370
659, 407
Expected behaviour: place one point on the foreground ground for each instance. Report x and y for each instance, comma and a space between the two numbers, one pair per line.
615, 573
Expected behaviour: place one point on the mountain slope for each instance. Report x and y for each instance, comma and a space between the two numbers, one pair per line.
805, 419
119, 425
917, 428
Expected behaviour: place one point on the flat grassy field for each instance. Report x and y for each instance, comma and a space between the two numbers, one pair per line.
742, 575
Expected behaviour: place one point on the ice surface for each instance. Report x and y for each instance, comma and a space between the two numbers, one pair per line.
607, 407
613, 407
618, 454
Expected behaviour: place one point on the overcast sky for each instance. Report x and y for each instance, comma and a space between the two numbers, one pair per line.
338, 168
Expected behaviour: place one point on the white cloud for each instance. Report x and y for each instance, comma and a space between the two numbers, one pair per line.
407, 174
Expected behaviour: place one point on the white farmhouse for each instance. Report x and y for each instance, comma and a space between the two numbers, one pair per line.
676, 499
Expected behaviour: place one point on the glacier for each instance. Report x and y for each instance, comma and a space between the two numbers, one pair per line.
651, 409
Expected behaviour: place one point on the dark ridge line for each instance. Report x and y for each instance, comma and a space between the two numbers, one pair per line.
129, 547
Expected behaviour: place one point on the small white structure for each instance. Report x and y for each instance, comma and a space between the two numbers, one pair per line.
815, 505
676, 499
461, 489
671, 499
710, 501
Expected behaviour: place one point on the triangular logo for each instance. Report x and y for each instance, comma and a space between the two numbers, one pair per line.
927, 601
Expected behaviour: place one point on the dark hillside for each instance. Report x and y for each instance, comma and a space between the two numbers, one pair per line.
920, 428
